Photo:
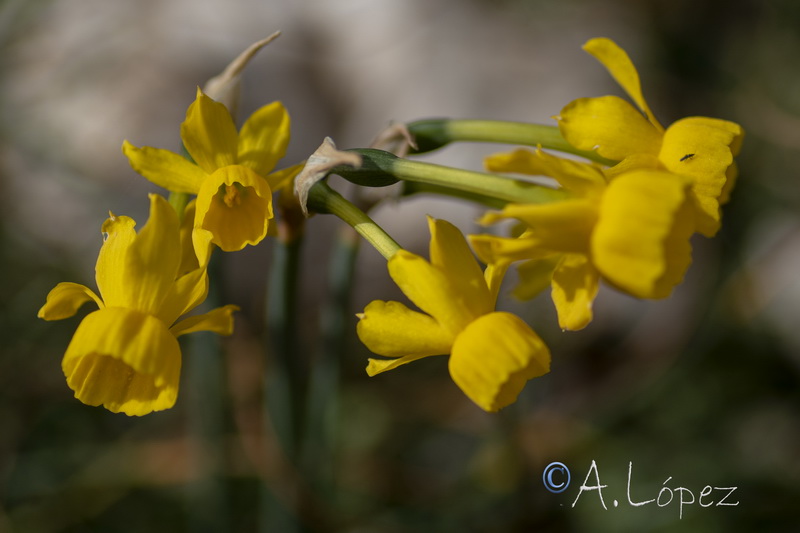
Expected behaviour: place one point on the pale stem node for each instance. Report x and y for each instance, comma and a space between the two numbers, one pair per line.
319, 164
395, 139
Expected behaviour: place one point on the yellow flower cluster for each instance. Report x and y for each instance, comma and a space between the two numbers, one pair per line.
126, 356
627, 222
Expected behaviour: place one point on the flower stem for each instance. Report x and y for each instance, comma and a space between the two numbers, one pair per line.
435, 133
377, 164
178, 201
323, 199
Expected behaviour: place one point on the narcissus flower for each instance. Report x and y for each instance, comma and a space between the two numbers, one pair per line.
701, 148
231, 174
125, 356
633, 231
492, 354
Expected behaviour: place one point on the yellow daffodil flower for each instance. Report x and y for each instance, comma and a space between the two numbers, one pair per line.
492, 354
633, 231
231, 174
125, 356
701, 148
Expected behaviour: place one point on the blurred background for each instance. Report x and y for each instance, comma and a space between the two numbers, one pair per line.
697, 390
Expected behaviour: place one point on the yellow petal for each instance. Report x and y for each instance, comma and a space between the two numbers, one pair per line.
65, 299
641, 241
431, 290
492, 249
235, 205
702, 148
284, 178
110, 271
634, 162
125, 360
219, 321
209, 134
264, 138
450, 253
575, 284
535, 276
580, 178
621, 68
164, 168
393, 330
188, 291
152, 260
189, 259
494, 274
609, 124
563, 226
203, 245
494, 357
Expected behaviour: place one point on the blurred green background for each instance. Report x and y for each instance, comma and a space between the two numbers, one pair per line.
701, 388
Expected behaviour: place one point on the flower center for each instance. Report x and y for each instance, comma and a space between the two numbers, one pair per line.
232, 194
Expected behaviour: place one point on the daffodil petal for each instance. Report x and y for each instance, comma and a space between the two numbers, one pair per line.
450, 252
164, 168
219, 320
492, 249
188, 291
641, 241
110, 271
203, 245
235, 205
209, 134
634, 162
580, 178
563, 226
535, 275
494, 274
622, 69
284, 178
64, 300
575, 284
264, 138
125, 360
393, 330
431, 290
610, 125
153, 259
189, 260
702, 148
494, 357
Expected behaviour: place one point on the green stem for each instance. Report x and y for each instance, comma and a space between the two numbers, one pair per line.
377, 164
178, 201
286, 384
323, 199
323, 401
436, 133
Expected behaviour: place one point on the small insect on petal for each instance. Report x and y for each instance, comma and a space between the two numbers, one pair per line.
687, 156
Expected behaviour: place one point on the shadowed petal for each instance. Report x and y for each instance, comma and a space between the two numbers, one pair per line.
575, 284
219, 320
64, 300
